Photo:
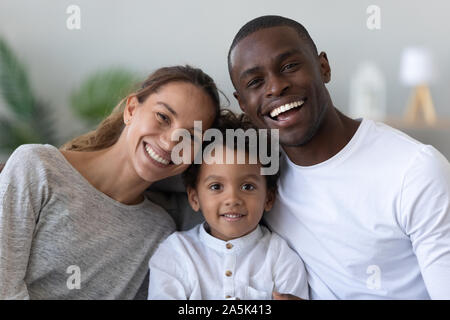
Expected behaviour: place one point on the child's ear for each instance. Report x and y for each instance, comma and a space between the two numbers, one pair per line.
270, 199
193, 198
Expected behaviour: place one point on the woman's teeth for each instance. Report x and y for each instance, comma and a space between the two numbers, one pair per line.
285, 107
154, 156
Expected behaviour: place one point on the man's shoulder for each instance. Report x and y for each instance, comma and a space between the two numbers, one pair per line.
398, 144
381, 134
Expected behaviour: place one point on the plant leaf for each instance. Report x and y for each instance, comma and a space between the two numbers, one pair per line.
101, 92
14, 134
14, 85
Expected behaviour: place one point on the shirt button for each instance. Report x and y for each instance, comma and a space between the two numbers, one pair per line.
229, 245
228, 273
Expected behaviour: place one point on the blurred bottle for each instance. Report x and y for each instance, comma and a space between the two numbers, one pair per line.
368, 93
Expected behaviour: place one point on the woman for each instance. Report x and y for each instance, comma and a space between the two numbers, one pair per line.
74, 223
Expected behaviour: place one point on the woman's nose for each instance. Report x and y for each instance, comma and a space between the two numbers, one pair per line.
166, 142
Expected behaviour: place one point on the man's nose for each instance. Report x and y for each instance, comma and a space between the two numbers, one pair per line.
277, 86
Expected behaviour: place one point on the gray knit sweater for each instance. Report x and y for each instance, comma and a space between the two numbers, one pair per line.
60, 238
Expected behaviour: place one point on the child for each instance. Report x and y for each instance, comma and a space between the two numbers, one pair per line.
230, 256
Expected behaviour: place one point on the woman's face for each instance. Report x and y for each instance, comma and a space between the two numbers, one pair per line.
150, 125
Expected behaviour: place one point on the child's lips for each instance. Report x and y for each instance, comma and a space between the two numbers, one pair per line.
232, 216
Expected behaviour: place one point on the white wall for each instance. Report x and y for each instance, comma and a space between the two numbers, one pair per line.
144, 35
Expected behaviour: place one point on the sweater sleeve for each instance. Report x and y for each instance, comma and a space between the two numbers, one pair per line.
20, 202
425, 217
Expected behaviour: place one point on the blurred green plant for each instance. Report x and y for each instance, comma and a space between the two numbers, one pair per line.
101, 92
30, 120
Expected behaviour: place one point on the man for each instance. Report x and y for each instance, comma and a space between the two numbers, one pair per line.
365, 206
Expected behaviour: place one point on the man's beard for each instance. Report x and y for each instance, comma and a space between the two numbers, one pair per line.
312, 131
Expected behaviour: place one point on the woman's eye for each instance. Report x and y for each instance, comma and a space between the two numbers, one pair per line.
248, 187
163, 117
215, 186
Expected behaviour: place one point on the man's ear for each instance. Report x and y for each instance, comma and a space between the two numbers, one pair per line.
193, 198
325, 69
241, 103
270, 199
130, 108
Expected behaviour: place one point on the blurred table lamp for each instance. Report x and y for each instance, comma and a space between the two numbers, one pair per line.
416, 71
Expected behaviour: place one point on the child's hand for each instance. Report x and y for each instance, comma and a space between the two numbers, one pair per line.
284, 296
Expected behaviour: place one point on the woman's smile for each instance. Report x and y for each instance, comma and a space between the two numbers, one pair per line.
156, 157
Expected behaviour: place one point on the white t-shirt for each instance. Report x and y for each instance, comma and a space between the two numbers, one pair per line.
372, 222
195, 265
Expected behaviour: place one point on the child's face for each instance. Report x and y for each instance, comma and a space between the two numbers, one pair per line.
232, 198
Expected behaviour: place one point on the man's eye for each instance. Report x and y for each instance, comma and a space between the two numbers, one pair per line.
289, 66
215, 186
248, 187
254, 83
163, 117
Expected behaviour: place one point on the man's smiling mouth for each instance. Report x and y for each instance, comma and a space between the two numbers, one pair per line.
279, 111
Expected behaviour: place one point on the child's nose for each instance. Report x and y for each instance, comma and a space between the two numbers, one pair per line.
233, 200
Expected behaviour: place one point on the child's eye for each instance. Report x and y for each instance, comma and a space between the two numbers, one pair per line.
163, 117
215, 186
248, 187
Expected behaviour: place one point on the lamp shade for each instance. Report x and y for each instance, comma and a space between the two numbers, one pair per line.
416, 66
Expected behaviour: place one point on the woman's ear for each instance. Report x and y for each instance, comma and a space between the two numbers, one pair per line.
270, 199
130, 108
193, 198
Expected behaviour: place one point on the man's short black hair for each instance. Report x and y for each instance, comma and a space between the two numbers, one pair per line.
264, 22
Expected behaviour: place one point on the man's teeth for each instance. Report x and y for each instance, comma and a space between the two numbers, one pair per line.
285, 107
154, 156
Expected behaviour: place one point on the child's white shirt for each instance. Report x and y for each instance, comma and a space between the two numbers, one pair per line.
195, 265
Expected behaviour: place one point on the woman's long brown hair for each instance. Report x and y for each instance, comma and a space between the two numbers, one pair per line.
110, 129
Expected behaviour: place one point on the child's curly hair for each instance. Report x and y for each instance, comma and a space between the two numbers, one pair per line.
229, 120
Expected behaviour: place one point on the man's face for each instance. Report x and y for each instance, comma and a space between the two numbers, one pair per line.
280, 83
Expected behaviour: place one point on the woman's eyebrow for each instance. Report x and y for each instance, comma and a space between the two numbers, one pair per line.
169, 108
